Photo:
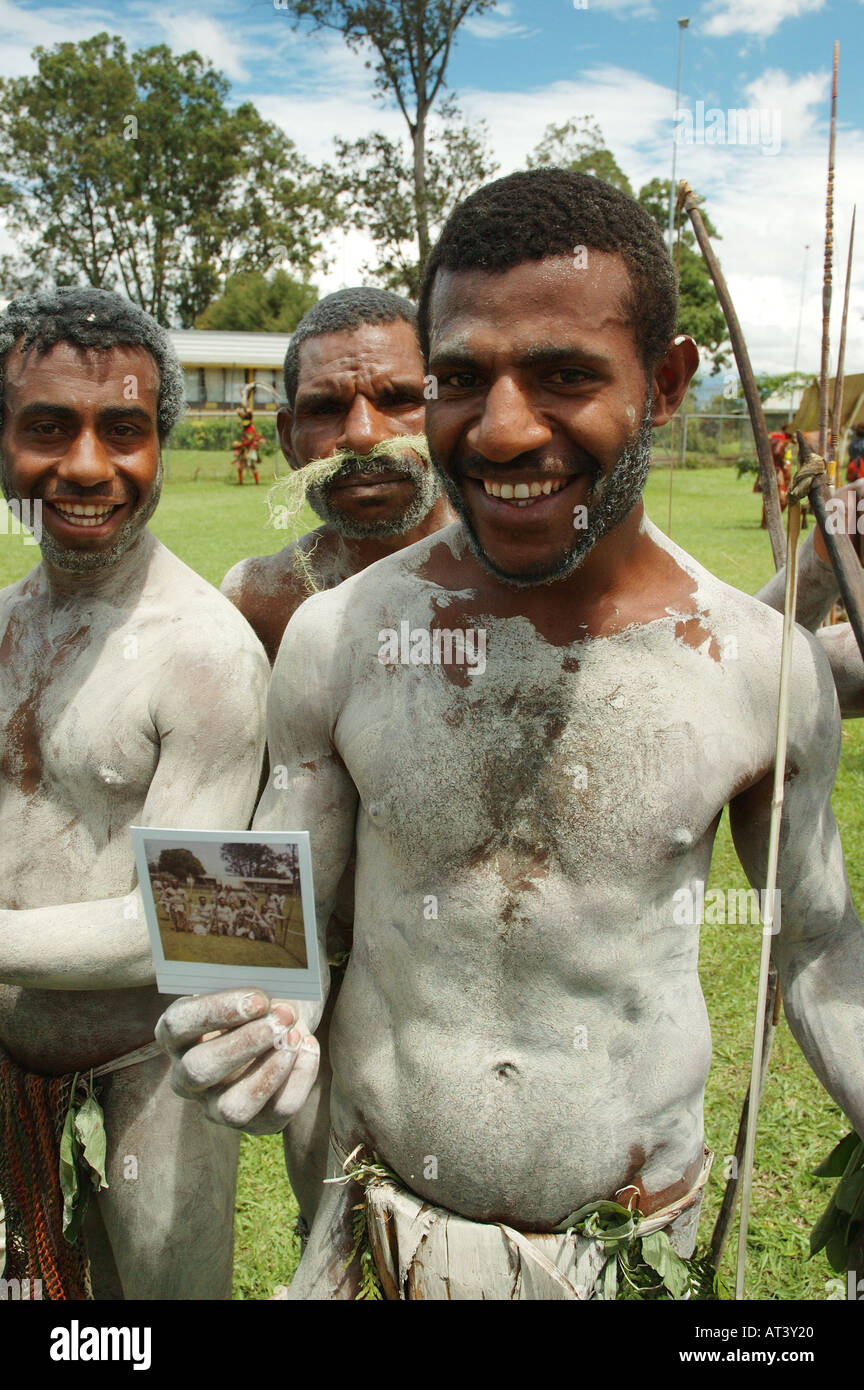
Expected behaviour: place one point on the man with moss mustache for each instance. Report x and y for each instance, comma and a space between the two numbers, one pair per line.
352, 432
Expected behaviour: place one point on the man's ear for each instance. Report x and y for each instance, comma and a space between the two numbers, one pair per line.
671, 377
284, 418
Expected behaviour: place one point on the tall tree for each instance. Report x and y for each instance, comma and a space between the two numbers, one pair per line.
373, 180
253, 302
410, 42
182, 863
251, 860
130, 172
579, 144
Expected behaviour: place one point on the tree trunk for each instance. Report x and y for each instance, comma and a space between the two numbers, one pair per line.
418, 136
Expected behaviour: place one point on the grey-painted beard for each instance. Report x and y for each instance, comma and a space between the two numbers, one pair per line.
610, 500
91, 561
427, 489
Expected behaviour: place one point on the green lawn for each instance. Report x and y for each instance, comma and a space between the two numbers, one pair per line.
211, 523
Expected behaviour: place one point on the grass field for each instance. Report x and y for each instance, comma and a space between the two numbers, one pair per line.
211, 523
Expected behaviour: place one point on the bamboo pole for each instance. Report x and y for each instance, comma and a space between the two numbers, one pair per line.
793, 521
767, 474
723, 1223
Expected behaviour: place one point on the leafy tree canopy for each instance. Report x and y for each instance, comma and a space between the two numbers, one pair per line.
578, 144
253, 302
130, 172
182, 863
373, 183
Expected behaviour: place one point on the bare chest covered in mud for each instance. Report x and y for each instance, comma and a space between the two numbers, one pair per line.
612, 752
77, 746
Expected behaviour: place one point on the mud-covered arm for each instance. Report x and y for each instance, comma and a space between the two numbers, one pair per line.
308, 789
817, 588
847, 667
819, 948
208, 717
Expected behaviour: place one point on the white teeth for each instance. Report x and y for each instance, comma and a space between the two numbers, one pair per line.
521, 493
79, 515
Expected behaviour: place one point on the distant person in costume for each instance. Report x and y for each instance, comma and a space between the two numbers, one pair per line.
247, 448
855, 469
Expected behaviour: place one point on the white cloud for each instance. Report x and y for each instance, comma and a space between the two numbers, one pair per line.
22, 29
498, 25
760, 17
207, 37
624, 9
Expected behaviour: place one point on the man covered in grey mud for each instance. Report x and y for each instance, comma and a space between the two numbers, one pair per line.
818, 591
354, 384
521, 1033
130, 692
352, 432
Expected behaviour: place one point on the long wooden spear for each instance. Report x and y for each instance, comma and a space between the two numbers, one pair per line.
829, 257
690, 203
771, 1004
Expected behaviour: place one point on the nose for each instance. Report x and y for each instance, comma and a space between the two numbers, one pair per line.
508, 426
364, 427
86, 462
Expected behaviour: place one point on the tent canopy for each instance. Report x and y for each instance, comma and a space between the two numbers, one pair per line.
807, 414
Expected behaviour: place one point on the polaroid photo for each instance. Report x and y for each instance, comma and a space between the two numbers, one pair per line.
230, 908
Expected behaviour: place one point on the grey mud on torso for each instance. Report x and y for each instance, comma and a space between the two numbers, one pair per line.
550, 807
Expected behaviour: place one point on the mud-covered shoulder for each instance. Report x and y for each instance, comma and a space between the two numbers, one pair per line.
264, 575
202, 617
748, 639
398, 582
24, 588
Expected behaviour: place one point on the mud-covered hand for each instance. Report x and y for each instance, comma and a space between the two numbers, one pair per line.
247, 1060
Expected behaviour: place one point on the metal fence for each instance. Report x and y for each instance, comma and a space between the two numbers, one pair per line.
700, 440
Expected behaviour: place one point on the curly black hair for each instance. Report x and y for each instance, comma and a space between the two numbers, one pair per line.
92, 318
344, 309
550, 212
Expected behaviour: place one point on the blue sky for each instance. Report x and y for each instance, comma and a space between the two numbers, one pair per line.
531, 62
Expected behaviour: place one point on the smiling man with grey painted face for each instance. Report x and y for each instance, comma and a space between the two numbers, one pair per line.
521, 1032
